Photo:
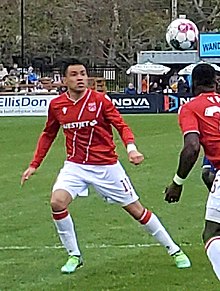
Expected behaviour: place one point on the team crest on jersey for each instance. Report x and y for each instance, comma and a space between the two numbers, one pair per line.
64, 109
92, 106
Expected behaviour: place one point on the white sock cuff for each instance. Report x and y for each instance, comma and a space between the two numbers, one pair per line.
208, 243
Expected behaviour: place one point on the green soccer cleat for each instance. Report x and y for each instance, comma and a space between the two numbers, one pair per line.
72, 264
181, 260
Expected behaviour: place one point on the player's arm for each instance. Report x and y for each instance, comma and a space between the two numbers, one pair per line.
114, 117
187, 159
44, 143
189, 153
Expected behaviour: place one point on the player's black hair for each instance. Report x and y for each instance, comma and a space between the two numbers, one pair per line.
204, 75
71, 62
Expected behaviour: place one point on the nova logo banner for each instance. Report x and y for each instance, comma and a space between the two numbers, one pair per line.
172, 102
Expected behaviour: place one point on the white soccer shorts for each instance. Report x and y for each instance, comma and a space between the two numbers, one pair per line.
213, 202
110, 181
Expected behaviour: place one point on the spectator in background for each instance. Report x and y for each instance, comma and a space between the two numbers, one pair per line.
32, 77
14, 72
3, 72
182, 85
189, 81
145, 86
173, 79
155, 88
167, 90
13, 78
130, 90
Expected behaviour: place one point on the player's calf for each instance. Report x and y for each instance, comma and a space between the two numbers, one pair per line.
211, 238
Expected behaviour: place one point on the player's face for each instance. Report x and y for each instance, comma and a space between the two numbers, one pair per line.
76, 78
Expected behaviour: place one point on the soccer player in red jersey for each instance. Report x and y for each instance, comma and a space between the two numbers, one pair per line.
200, 123
87, 117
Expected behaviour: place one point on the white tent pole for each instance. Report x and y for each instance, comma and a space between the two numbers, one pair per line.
139, 83
148, 83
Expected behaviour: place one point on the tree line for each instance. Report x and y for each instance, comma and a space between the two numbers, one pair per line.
99, 32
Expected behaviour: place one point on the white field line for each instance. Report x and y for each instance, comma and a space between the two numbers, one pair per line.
90, 246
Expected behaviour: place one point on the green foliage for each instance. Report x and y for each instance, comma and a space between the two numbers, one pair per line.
104, 231
91, 30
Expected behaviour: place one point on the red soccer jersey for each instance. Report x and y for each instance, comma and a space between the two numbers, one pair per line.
87, 128
202, 115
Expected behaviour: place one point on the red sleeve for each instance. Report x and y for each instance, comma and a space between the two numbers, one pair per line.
46, 138
114, 117
187, 120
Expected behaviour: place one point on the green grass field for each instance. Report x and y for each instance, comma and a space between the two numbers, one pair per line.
118, 254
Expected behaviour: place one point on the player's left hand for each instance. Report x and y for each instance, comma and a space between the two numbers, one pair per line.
135, 157
173, 193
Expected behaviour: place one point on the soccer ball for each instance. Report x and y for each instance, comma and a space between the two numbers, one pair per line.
182, 34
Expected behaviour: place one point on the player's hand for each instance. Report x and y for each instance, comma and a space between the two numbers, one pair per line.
173, 193
135, 157
25, 176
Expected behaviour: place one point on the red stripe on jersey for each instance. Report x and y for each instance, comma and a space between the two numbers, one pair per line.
60, 215
145, 216
210, 241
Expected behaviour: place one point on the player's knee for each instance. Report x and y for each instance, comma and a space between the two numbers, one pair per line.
211, 229
208, 178
59, 201
206, 236
56, 204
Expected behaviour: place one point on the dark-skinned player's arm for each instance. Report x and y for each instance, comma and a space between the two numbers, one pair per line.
187, 159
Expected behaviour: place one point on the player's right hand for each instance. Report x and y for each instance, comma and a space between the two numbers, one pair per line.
173, 193
135, 157
25, 176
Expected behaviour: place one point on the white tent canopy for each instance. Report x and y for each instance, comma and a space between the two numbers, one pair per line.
148, 69
188, 69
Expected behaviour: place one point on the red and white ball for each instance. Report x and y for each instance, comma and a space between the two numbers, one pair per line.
182, 34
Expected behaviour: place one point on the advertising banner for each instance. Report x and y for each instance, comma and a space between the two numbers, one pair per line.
24, 105
37, 105
147, 103
172, 102
209, 45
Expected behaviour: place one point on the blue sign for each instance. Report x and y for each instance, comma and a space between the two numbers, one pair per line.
209, 45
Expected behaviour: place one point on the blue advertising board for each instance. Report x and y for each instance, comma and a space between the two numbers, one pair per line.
209, 45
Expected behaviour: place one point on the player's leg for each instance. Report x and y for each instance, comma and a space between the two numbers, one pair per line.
208, 173
211, 238
60, 199
64, 191
116, 187
211, 233
152, 225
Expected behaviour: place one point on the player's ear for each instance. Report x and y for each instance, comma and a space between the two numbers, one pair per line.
64, 80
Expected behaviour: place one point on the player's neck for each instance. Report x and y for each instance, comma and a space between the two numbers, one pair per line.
204, 89
76, 95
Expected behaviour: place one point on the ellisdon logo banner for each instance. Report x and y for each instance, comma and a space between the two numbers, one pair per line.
25, 105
